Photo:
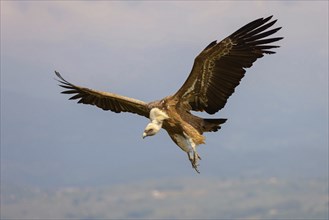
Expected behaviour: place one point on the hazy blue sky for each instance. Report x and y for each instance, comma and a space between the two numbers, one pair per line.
277, 119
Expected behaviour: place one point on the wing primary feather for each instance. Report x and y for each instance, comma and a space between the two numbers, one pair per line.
69, 92
251, 26
264, 34
78, 96
259, 30
265, 41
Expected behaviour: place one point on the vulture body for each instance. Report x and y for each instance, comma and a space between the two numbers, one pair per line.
216, 72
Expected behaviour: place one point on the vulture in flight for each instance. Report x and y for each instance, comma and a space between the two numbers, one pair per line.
216, 71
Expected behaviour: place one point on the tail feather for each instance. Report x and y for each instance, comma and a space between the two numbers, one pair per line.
212, 124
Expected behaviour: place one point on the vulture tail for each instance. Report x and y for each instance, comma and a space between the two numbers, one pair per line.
212, 124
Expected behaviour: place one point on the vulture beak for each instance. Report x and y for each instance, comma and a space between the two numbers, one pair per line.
144, 135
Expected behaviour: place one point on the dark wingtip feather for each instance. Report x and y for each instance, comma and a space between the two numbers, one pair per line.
254, 27
268, 18
61, 79
59, 75
251, 26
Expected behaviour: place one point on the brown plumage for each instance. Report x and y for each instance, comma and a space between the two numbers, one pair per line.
217, 70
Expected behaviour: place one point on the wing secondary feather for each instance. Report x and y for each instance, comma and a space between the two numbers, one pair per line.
104, 100
219, 68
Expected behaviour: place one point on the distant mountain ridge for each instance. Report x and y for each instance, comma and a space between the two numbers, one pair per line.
175, 198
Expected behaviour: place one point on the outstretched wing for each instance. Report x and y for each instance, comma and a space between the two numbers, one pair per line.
104, 100
218, 69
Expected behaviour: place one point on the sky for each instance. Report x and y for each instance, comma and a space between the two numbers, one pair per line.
277, 118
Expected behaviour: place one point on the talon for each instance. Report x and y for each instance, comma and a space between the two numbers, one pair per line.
194, 160
195, 166
196, 157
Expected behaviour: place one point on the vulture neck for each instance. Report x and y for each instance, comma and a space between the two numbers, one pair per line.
157, 117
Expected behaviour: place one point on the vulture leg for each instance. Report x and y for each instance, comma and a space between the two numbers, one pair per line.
194, 158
